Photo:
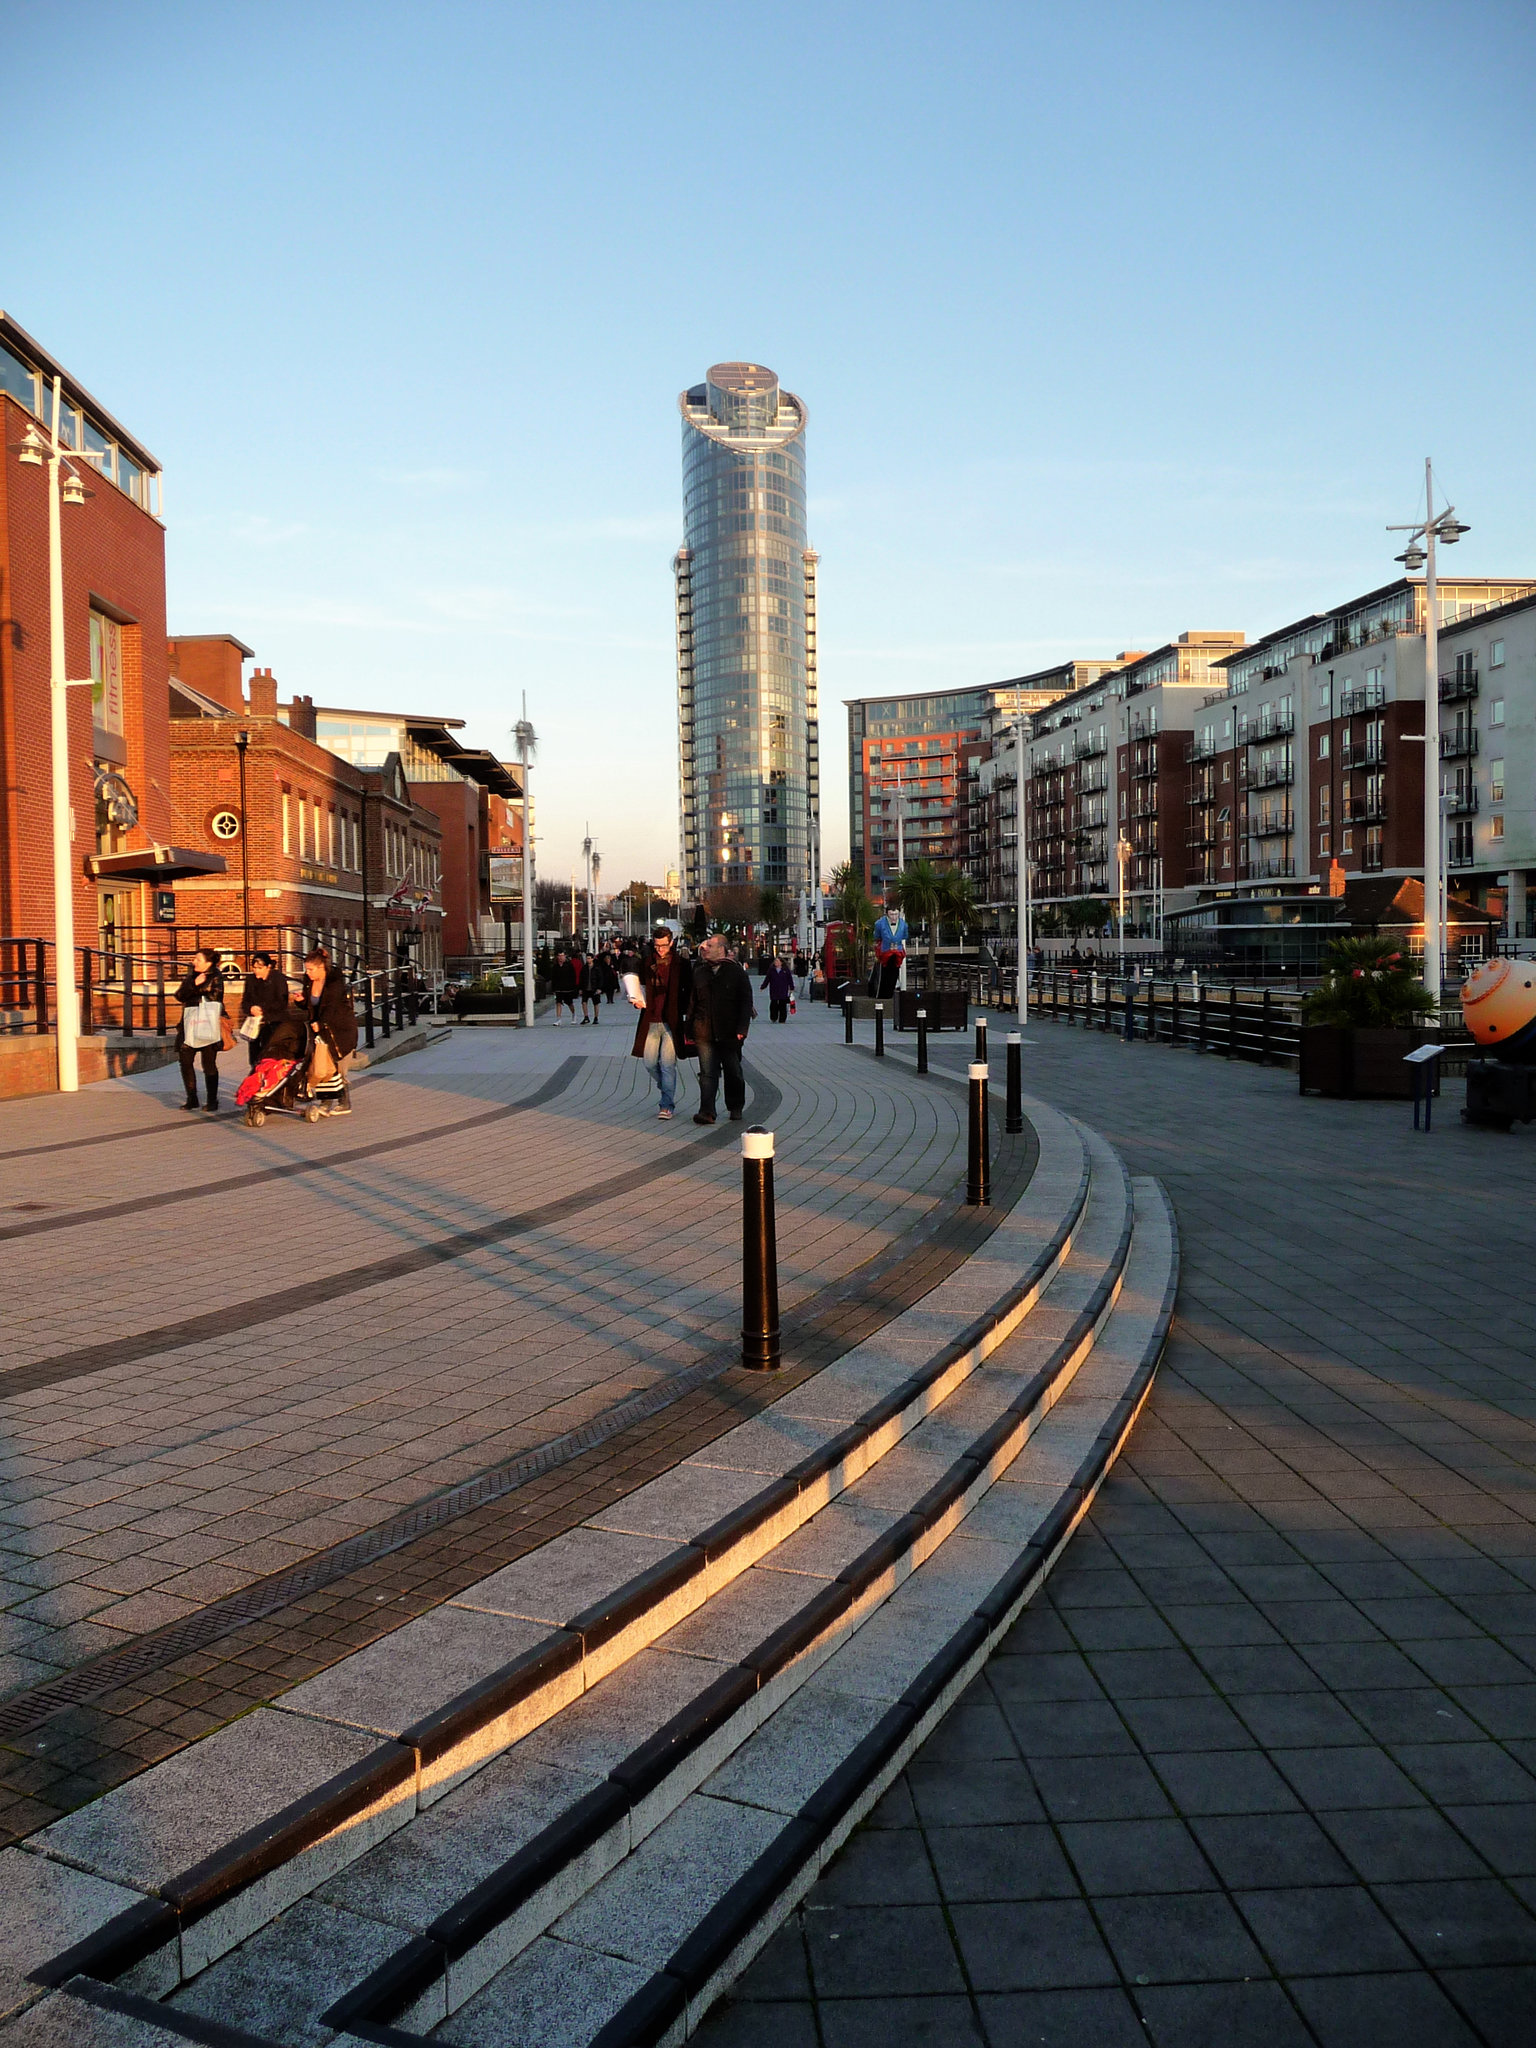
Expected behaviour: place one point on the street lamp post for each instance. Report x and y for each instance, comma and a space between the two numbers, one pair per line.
527, 744
35, 452
242, 741
1122, 855
1420, 554
1021, 830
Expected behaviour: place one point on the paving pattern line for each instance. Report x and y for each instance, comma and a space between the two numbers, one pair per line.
69, 1365
557, 1083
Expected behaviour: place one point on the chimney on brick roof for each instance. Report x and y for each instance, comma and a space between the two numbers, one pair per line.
210, 664
301, 717
263, 694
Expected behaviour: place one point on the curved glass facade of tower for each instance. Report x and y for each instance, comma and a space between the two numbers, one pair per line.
748, 755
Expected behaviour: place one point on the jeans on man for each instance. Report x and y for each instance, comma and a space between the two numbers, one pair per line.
717, 1058
661, 1062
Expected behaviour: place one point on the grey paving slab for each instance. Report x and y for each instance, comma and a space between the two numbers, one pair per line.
409, 1674
277, 1984
47, 1907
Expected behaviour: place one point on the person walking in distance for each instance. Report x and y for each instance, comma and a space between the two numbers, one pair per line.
203, 1031
721, 1019
780, 984
566, 979
328, 1001
660, 1029
583, 968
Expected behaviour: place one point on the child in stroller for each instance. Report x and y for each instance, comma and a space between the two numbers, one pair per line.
277, 1082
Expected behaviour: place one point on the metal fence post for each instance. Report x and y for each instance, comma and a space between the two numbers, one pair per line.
759, 1253
1130, 1010
847, 1020
1232, 1022
384, 1008
879, 1031
160, 996
87, 1019
42, 983
922, 1041
978, 1165
368, 1010
1201, 1024
1264, 1040
1173, 1019
1014, 1121
127, 995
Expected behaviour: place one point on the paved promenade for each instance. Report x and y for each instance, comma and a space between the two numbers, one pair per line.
1261, 1767
235, 1363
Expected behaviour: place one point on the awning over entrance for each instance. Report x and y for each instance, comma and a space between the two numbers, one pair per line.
153, 864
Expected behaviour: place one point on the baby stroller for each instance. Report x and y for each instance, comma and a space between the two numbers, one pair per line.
279, 1086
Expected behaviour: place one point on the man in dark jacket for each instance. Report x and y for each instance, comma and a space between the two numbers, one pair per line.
567, 978
722, 1017
661, 1028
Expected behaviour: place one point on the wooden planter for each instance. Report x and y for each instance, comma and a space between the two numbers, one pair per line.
1360, 1065
948, 1009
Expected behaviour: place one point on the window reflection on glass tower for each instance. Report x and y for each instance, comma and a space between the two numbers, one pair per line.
746, 639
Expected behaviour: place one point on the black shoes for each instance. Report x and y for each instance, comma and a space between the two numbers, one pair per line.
701, 1118
736, 1116
190, 1103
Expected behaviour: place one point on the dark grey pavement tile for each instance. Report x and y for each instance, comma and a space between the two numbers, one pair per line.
1192, 1586
1234, 1622
1067, 1728
754, 2025
1047, 1945
1059, 2019
1206, 1723
1406, 1842
1179, 1937
1249, 1549
1155, 1674
1254, 1850
1038, 1630
1298, 1720
1224, 1781
1463, 1922
1362, 1665
965, 1795
1424, 1716
1256, 2015
1274, 1668
1333, 1620
1312, 1930
1500, 2003
1120, 1628
1382, 1579
1504, 1834
1000, 1863
1347, 1777
1508, 1711
972, 1730
879, 1866
902, 1949
1420, 1619
1283, 1585
1386, 2011
780, 1971
1466, 1773
915, 2022
894, 1809
1050, 1676
1098, 1788
1103, 1585
1123, 1856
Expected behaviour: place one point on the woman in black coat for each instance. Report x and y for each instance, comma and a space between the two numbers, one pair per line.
201, 983
328, 1001
266, 989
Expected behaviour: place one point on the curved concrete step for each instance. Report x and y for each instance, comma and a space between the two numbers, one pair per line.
166, 1873
560, 1823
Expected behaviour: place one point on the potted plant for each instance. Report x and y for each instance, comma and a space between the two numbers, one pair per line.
1361, 1022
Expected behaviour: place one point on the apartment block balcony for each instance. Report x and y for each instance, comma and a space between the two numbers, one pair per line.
1361, 697
1272, 824
1459, 744
1090, 745
1270, 775
1272, 868
1201, 835
1364, 810
1269, 724
1144, 771
1362, 754
1461, 803
1459, 688
1201, 750
1144, 804
1371, 859
1090, 781
1202, 794
1459, 854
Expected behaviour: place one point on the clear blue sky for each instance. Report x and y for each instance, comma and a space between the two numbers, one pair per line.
1112, 320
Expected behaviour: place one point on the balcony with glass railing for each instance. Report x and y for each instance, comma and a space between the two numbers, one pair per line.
1459, 688
1459, 744
1358, 697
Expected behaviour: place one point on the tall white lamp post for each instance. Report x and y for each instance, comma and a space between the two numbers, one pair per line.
1022, 879
62, 490
1420, 554
527, 745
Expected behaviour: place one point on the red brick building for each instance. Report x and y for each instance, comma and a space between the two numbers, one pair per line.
299, 827
113, 548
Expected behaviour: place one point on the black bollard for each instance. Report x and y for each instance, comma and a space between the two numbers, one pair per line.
847, 1020
368, 1010
1015, 1118
922, 1041
879, 1031
981, 1040
160, 999
978, 1165
759, 1253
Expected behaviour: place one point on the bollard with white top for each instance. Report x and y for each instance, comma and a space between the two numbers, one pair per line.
879, 1031
1014, 1122
981, 1038
978, 1169
922, 1041
759, 1253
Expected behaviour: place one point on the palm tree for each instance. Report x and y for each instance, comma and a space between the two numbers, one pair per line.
856, 910
920, 892
957, 900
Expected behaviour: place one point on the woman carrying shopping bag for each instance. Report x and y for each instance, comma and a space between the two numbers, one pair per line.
328, 1001
204, 1030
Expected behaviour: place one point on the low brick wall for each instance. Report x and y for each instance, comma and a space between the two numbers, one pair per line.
29, 1065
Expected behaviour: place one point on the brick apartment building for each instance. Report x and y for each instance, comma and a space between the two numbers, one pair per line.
918, 756
113, 548
299, 827
1488, 725
473, 795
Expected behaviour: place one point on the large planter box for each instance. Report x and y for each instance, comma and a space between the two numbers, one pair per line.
508, 1004
1360, 1065
948, 1009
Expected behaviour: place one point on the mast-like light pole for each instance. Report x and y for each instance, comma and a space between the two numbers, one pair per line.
1420, 554
1021, 879
527, 745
